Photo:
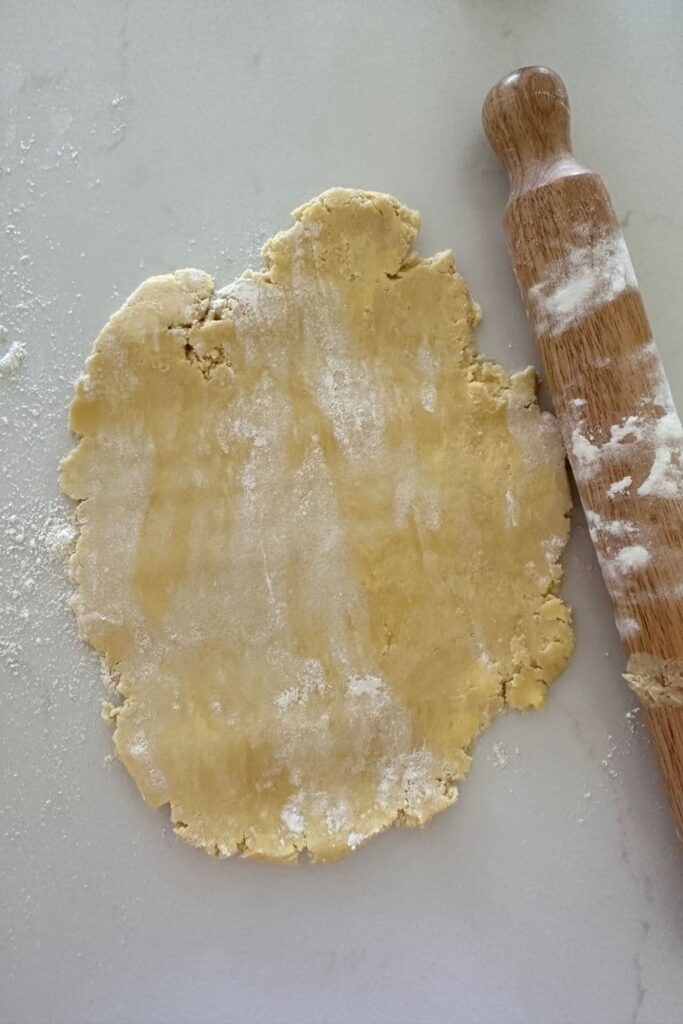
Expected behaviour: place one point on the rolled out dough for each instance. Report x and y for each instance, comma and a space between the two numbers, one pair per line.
319, 537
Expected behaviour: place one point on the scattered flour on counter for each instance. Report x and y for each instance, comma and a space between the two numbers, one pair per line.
59, 539
592, 274
632, 718
49, 710
13, 359
500, 757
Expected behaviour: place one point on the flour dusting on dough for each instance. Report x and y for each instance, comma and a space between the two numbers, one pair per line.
295, 503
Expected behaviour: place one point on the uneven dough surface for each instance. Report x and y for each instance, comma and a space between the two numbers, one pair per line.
319, 538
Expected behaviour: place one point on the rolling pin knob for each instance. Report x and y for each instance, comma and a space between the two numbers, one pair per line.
526, 120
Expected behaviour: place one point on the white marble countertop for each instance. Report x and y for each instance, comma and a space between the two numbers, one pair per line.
138, 138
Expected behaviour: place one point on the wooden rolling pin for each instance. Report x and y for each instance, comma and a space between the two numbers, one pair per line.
623, 436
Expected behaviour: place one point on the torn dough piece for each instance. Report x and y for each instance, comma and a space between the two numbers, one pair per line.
319, 538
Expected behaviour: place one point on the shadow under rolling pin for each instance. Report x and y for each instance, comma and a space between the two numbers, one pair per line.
622, 433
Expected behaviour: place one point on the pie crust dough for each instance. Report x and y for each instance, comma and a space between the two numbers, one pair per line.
319, 537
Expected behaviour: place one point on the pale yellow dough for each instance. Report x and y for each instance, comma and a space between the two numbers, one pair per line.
319, 538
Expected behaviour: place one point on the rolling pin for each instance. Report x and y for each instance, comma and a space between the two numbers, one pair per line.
621, 430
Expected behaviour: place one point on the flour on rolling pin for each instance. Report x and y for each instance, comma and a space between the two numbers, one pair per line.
649, 444
626, 471
663, 432
595, 269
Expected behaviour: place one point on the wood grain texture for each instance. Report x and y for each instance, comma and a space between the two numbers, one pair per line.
622, 433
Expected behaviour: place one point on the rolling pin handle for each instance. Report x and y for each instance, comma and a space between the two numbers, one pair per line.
526, 120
